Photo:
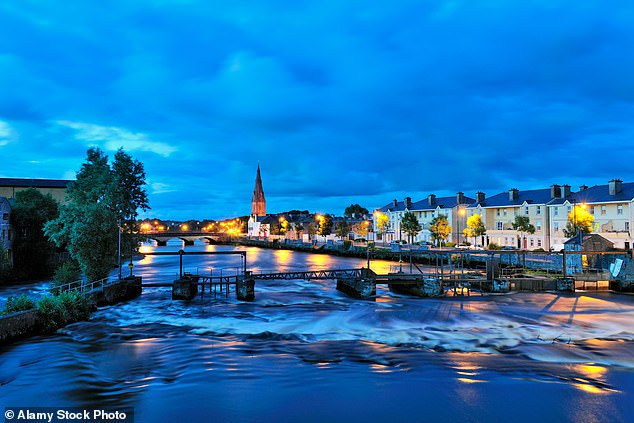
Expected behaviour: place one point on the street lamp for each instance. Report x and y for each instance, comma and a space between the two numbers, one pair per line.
461, 213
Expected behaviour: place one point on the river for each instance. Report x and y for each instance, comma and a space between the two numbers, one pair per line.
304, 352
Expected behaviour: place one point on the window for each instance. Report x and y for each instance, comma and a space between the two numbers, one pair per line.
499, 225
539, 242
591, 209
532, 242
504, 211
568, 209
603, 210
556, 226
556, 211
619, 209
425, 215
627, 226
526, 210
497, 212
5, 216
538, 225
538, 210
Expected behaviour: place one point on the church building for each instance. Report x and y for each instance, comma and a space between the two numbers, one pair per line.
257, 226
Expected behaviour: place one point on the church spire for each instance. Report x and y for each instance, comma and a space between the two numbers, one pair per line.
258, 202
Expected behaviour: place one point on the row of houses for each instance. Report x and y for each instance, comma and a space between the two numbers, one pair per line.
612, 206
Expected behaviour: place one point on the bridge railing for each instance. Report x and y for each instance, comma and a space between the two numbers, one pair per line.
81, 286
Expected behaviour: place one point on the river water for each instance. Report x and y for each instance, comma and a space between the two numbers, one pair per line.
304, 352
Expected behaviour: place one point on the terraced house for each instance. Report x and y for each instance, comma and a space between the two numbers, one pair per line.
547, 209
453, 208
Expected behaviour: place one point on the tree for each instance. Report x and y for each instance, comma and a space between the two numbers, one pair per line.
99, 199
341, 229
298, 229
361, 228
579, 219
382, 223
410, 225
523, 225
440, 229
475, 228
310, 229
353, 209
33, 252
325, 224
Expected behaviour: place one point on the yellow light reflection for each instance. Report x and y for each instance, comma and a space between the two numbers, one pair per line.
470, 381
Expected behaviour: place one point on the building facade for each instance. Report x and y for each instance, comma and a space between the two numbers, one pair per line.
6, 232
55, 187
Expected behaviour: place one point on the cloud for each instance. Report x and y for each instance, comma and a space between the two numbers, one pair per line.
112, 138
7, 134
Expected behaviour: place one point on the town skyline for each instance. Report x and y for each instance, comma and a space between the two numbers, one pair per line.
394, 100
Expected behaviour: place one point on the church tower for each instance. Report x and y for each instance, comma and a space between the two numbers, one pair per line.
258, 202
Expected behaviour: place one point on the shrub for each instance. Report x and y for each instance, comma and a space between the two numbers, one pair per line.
494, 246
66, 273
51, 313
15, 304
346, 245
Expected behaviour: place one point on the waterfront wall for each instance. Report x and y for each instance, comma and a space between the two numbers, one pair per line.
28, 323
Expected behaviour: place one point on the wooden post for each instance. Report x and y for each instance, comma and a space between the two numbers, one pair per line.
180, 255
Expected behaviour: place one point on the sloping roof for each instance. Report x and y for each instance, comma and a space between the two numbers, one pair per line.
34, 183
532, 196
442, 202
601, 194
588, 237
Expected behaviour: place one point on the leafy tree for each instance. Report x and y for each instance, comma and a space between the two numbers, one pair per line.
299, 228
475, 227
361, 228
382, 223
5, 265
579, 219
410, 225
97, 202
33, 252
353, 209
325, 225
310, 229
439, 228
341, 229
523, 225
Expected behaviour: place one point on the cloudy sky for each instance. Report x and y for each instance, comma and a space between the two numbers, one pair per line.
339, 102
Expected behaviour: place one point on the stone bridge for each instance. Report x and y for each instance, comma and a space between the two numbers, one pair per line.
188, 237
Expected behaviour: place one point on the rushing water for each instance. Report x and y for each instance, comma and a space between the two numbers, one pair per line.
304, 352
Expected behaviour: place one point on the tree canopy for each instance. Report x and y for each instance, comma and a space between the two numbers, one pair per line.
33, 252
341, 229
410, 225
100, 200
439, 228
353, 209
579, 219
382, 222
475, 227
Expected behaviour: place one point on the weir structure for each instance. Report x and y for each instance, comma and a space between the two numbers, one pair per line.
446, 273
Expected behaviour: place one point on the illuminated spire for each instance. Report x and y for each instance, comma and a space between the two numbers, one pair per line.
258, 202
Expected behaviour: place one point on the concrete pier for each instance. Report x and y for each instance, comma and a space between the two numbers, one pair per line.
245, 288
185, 288
357, 287
423, 287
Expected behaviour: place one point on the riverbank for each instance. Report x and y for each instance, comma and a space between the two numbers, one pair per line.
56, 311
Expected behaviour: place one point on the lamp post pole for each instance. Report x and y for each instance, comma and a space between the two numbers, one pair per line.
119, 246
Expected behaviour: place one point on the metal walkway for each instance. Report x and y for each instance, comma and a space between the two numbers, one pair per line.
315, 274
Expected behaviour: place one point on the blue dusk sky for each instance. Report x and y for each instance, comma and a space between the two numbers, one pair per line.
340, 102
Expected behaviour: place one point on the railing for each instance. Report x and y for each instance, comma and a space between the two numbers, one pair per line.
81, 286
315, 274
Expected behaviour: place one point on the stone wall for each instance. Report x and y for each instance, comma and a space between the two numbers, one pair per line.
17, 325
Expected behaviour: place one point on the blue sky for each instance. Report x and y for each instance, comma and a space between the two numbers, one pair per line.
339, 102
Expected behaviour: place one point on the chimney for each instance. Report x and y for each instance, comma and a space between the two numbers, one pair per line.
565, 191
395, 203
514, 194
555, 191
583, 187
460, 198
408, 202
615, 185
480, 197
431, 199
